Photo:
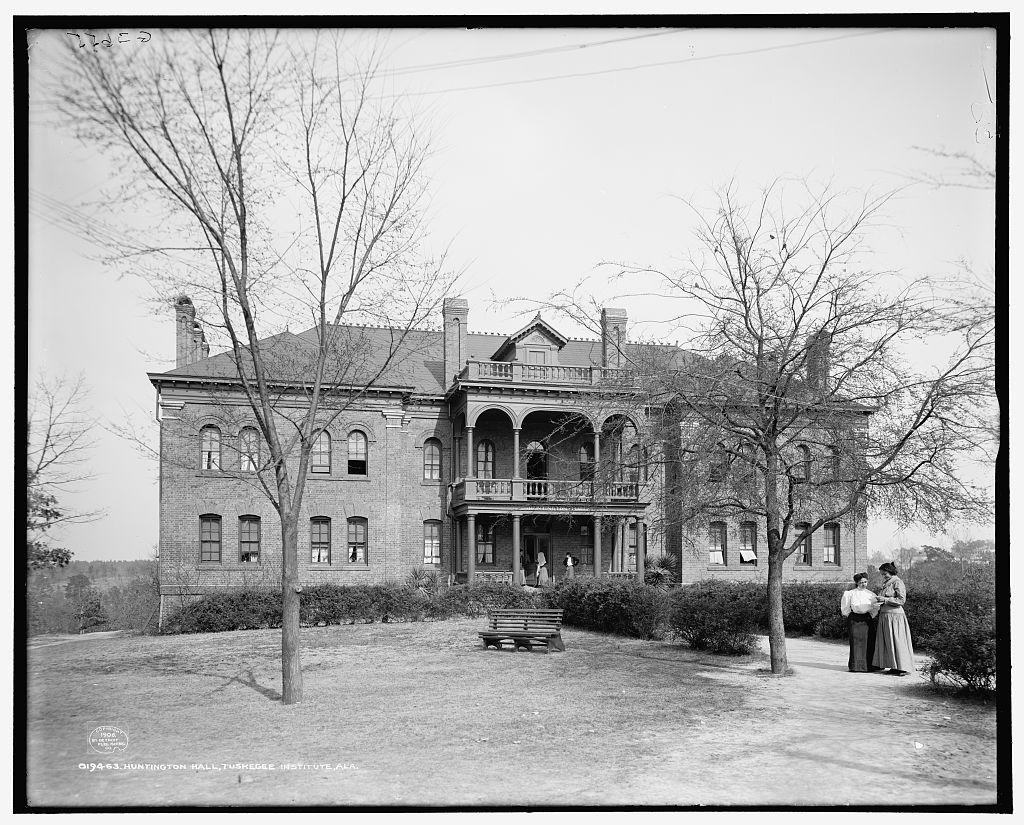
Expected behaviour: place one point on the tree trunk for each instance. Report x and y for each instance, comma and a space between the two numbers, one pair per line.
776, 625
291, 667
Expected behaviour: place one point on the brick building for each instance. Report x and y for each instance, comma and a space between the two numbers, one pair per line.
467, 447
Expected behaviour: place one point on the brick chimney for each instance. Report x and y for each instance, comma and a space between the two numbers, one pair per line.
613, 336
819, 353
456, 316
190, 339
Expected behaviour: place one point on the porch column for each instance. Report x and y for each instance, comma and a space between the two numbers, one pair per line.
458, 545
470, 469
516, 567
620, 555
597, 453
515, 454
597, 545
457, 459
624, 545
641, 549
471, 548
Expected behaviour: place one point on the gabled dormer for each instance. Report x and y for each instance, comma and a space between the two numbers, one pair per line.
536, 343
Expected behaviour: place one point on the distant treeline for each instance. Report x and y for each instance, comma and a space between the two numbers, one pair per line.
94, 595
100, 571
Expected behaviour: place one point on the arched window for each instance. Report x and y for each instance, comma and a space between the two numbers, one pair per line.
716, 543
320, 540
431, 460
803, 551
249, 450
631, 470
719, 464
320, 458
802, 471
835, 461
748, 542
748, 458
485, 460
431, 542
210, 459
586, 461
357, 453
209, 538
249, 539
357, 541
536, 461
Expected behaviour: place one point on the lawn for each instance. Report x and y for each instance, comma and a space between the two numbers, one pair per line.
421, 715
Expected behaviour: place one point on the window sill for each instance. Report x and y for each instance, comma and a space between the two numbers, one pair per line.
750, 568
229, 565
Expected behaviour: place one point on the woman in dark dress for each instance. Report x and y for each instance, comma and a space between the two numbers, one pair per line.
860, 606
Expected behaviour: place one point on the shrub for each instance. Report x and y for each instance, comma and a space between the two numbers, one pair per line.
833, 626
805, 606
229, 610
716, 616
660, 571
965, 653
624, 607
428, 582
935, 613
335, 604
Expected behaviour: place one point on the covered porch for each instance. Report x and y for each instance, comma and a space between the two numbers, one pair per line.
507, 546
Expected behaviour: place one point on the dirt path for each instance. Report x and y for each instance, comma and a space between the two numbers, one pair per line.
419, 714
828, 736
52, 639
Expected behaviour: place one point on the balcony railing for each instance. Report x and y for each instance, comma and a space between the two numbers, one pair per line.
509, 489
517, 373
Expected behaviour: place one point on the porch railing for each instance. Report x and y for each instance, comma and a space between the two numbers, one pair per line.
500, 576
518, 373
507, 489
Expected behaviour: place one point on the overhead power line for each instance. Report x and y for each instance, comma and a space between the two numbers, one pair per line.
635, 67
476, 61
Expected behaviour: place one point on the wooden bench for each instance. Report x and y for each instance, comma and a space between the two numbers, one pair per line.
524, 628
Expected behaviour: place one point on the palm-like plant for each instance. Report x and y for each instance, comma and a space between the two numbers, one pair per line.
660, 571
427, 582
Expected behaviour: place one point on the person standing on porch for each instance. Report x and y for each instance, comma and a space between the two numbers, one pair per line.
570, 566
542, 570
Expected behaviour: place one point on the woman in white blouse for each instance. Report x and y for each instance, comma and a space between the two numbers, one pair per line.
860, 606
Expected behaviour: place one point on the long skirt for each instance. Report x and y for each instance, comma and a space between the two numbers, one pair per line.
862, 642
570, 572
893, 646
542, 576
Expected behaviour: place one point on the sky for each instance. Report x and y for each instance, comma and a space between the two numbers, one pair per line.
547, 164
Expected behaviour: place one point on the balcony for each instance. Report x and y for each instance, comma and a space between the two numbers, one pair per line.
544, 490
514, 372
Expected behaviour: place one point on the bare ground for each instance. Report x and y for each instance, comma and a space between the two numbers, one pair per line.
422, 715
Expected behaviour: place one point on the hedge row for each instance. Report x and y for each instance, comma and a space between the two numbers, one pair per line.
626, 608
813, 608
957, 626
330, 604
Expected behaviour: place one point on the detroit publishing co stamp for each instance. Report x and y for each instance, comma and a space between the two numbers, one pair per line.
107, 738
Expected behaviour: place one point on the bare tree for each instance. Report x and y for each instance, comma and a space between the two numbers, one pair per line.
59, 426
795, 399
288, 188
